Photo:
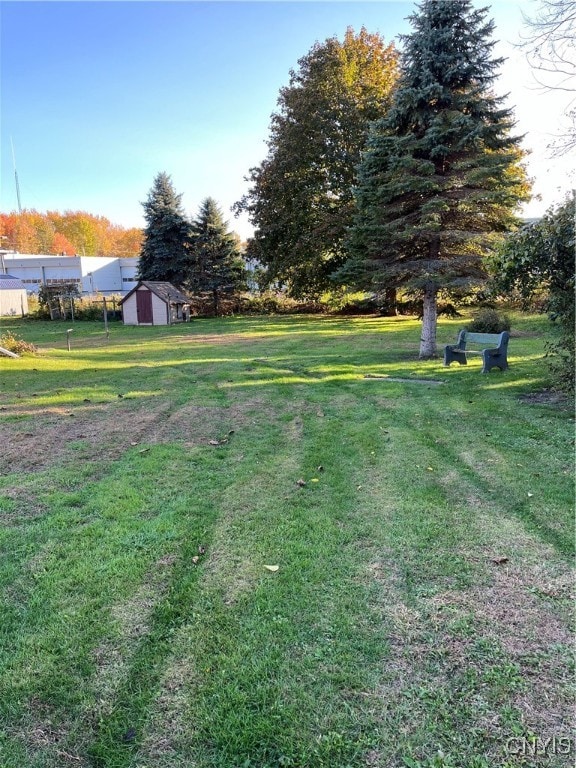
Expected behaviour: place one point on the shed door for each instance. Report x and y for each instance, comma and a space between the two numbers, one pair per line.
144, 307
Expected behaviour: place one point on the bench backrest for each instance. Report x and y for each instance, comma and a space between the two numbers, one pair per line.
490, 339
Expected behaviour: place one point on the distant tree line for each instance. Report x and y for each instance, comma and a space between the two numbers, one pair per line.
199, 255
68, 233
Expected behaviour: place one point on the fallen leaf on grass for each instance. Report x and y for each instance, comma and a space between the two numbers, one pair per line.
272, 568
499, 560
314, 480
129, 736
195, 559
301, 483
144, 450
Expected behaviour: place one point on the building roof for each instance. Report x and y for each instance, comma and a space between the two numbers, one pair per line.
10, 283
165, 291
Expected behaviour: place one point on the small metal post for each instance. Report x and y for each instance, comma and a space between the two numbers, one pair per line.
68, 332
105, 317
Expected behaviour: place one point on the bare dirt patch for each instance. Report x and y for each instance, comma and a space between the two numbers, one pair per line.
193, 425
383, 377
547, 397
83, 433
228, 339
105, 431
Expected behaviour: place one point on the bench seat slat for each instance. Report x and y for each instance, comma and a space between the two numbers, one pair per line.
483, 338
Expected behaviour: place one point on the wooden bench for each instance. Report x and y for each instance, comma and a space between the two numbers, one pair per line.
494, 349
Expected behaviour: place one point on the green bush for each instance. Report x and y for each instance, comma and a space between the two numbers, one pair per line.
537, 263
270, 303
488, 320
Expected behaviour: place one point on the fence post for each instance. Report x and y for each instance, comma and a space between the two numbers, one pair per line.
105, 317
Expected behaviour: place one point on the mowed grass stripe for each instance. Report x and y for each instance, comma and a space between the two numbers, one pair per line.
286, 651
92, 561
465, 592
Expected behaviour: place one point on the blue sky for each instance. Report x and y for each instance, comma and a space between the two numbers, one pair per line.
98, 97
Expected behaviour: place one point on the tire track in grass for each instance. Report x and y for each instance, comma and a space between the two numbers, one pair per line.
116, 654
508, 467
122, 729
469, 661
233, 578
68, 711
280, 654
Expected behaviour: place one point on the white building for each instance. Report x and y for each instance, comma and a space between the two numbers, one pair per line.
13, 296
92, 274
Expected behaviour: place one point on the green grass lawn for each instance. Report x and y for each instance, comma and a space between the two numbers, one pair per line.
223, 545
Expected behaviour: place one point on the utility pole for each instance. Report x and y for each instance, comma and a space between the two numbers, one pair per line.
16, 177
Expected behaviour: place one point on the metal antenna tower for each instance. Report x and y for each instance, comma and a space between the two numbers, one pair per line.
16, 177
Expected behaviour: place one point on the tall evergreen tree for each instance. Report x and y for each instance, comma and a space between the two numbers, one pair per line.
442, 174
301, 197
214, 266
164, 251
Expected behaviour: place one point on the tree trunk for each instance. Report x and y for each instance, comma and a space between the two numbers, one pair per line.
215, 301
429, 320
388, 307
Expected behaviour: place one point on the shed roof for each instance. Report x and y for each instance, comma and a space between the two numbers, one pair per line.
11, 283
166, 291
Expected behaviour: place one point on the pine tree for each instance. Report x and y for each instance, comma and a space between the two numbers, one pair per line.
164, 251
442, 173
215, 264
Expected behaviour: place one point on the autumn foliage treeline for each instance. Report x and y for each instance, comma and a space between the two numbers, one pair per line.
70, 233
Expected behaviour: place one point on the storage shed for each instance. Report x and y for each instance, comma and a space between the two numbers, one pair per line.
155, 303
13, 296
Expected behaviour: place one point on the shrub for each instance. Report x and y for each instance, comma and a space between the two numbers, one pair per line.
365, 306
488, 320
14, 344
267, 303
537, 262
